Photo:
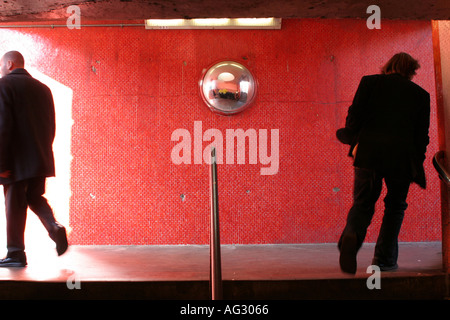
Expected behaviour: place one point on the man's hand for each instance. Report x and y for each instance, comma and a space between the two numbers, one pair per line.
354, 151
5, 174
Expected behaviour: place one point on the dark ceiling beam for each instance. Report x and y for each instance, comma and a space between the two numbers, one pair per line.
56, 10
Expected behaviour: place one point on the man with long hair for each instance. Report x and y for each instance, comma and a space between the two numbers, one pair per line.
387, 130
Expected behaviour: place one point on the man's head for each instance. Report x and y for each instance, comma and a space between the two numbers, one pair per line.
10, 61
403, 64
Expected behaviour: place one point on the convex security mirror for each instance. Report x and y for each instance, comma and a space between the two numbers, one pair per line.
228, 87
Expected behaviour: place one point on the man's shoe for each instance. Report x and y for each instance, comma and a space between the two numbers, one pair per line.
14, 260
385, 267
59, 236
349, 249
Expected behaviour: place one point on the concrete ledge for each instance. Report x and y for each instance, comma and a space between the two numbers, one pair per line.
250, 272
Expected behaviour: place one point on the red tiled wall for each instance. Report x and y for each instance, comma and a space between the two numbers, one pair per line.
133, 87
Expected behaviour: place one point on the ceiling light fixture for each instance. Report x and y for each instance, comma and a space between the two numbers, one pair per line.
221, 23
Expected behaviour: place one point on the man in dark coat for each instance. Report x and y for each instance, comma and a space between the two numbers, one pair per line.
387, 130
27, 131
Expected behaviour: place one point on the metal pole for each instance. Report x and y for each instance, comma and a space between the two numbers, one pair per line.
215, 266
438, 162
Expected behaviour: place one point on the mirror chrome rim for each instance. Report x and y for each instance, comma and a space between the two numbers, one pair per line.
228, 87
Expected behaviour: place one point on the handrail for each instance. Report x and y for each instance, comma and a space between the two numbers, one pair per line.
443, 174
215, 258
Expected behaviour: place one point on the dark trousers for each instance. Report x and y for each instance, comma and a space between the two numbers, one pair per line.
367, 190
19, 196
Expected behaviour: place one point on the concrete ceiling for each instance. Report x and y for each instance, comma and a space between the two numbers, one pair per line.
56, 10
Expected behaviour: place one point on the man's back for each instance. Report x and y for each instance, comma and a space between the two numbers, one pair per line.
28, 124
394, 129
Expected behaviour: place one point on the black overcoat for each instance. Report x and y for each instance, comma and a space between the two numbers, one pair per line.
389, 121
27, 127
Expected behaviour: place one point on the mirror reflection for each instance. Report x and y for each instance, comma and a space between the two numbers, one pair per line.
228, 87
